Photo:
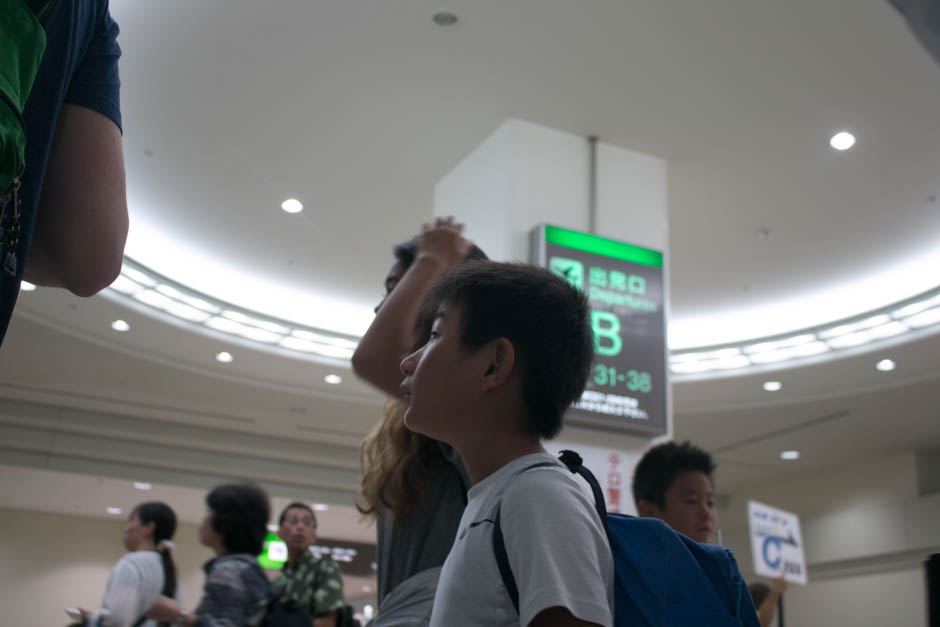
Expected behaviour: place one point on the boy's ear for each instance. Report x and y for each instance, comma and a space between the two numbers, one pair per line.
501, 359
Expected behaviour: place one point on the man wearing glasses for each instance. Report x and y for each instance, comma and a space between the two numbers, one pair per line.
314, 585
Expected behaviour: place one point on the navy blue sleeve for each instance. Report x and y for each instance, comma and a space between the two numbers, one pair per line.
96, 83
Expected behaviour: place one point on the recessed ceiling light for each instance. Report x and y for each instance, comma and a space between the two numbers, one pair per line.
273, 528
772, 386
225, 357
885, 365
789, 455
444, 18
120, 325
26, 286
116, 511
367, 588
333, 379
842, 140
320, 507
292, 205
142, 485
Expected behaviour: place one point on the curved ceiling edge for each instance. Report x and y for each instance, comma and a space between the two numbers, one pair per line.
901, 321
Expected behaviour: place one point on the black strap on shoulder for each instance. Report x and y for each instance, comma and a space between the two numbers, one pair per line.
573, 462
576, 465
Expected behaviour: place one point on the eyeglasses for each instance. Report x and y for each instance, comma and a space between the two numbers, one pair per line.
306, 522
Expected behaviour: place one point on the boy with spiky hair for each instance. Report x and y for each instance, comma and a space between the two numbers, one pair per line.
673, 482
508, 348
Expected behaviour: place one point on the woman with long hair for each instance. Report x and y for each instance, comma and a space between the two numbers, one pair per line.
144, 573
413, 486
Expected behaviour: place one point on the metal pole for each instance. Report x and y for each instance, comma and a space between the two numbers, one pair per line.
780, 611
592, 184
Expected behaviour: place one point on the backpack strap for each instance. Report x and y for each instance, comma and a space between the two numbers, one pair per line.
575, 464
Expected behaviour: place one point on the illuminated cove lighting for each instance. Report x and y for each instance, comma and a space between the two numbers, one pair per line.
893, 321
142, 286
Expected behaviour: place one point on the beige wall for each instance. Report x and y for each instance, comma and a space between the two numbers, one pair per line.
52, 561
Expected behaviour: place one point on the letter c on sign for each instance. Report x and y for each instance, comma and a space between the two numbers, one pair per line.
767, 542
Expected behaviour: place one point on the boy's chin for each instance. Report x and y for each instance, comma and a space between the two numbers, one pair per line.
414, 423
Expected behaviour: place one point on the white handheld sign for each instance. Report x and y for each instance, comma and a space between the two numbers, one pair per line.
776, 543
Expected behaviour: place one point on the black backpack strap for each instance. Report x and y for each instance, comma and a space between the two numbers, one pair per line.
499, 548
576, 465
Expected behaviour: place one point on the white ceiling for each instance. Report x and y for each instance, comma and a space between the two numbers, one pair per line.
359, 108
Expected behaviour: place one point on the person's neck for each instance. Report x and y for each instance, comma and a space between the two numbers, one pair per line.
482, 457
146, 545
293, 557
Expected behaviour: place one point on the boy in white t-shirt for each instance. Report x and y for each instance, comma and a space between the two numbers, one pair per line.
508, 348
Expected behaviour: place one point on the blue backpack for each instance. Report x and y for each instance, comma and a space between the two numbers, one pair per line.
662, 578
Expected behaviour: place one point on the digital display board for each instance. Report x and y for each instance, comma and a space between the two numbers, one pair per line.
623, 284
354, 558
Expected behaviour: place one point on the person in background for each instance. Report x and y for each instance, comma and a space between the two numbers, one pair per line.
315, 585
765, 598
72, 223
235, 593
144, 573
414, 486
673, 482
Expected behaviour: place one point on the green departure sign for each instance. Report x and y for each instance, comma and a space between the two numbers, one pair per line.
624, 287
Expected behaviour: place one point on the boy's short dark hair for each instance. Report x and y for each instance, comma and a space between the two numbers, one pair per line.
660, 465
296, 505
544, 318
240, 515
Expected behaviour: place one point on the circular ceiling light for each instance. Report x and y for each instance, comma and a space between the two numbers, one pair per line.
333, 379
142, 485
885, 365
843, 140
120, 326
114, 511
320, 507
292, 205
225, 357
789, 455
444, 18
26, 286
772, 386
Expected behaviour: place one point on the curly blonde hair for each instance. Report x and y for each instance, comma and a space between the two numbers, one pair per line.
394, 462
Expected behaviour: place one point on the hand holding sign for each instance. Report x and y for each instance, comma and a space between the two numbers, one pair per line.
776, 543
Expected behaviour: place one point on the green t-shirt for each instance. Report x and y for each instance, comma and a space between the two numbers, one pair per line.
316, 585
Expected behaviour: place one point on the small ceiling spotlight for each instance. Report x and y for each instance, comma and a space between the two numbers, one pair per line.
333, 379
292, 205
142, 485
320, 507
885, 365
772, 386
842, 140
114, 511
120, 326
789, 455
225, 357
26, 286
444, 18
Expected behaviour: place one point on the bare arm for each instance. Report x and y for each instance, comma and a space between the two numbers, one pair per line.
559, 617
378, 357
768, 609
325, 620
81, 222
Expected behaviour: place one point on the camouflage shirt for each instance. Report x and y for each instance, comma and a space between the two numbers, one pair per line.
235, 592
316, 585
